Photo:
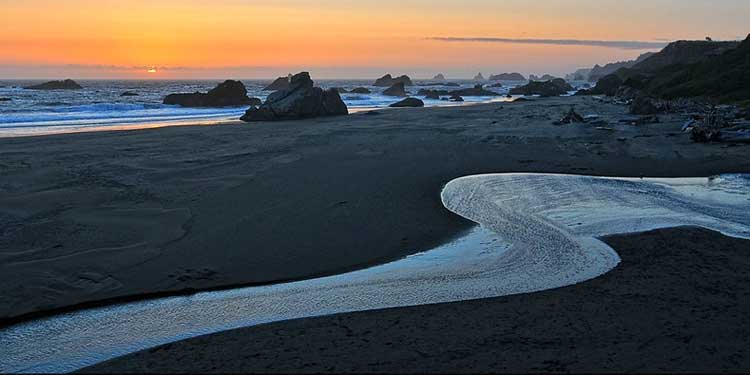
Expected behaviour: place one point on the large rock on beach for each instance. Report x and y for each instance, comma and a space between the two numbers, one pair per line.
408, 102
645, 106
280, 83
555, 87
67, 84
388, 81
299, 101
227, 94
397, 89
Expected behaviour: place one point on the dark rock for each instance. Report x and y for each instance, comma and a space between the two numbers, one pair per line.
67, 84
408, 102
129, 93
451, 84
340, 90
507, 77
300, 100
5, 99
227, 94
255, 101
456, 98
479, 77
607, 85
583, 92
546, 77
432, 95
705, 135
397, 89
496, 84
439, 77
388, 81
477, 90
429, 92
572, 117
280, 83
555, 87
645, 106
360, 90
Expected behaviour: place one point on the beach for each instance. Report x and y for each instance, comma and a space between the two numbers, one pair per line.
676, 303
106, 216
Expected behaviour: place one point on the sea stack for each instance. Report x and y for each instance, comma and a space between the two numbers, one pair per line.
439, 77
387, 81
555, 87
397, 89
507, 77
280, 83
67, 84
479, 77
300, 100
227, 94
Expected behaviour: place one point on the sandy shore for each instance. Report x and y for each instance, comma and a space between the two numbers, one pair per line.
678, 302
99, 216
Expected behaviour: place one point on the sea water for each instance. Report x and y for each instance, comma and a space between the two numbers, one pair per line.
100, 104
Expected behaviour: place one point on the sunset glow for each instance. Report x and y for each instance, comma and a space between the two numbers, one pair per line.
234, 37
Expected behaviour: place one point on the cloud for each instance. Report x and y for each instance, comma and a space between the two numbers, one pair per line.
624, 44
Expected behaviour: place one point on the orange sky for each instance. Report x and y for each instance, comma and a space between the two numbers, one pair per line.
345, 38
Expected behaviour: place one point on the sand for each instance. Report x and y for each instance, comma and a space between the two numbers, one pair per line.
678, 302
97, 217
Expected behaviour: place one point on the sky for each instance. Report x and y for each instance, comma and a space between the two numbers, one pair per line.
344, 38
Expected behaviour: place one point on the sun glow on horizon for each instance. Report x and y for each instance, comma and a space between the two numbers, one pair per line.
189, 38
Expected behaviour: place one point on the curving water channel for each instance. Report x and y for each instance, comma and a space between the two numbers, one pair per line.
537, 232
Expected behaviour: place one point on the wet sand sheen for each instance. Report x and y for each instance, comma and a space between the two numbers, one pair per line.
535, 252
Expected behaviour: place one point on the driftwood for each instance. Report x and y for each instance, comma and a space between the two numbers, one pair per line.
716, 126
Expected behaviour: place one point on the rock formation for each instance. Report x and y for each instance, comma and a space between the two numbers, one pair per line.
477, 90
280, 83
479, 77
360, 90
408, 102
227, 94
555, 87
67, 84
397, 89
439, 77
507, 77
300, 100
431, 94
129, 93
388, 81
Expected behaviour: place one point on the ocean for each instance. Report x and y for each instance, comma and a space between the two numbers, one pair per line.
100, 104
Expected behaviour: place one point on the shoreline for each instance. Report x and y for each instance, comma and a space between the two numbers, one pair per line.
397, 159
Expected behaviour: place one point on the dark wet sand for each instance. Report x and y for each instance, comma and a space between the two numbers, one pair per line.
94, 217
678, 302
